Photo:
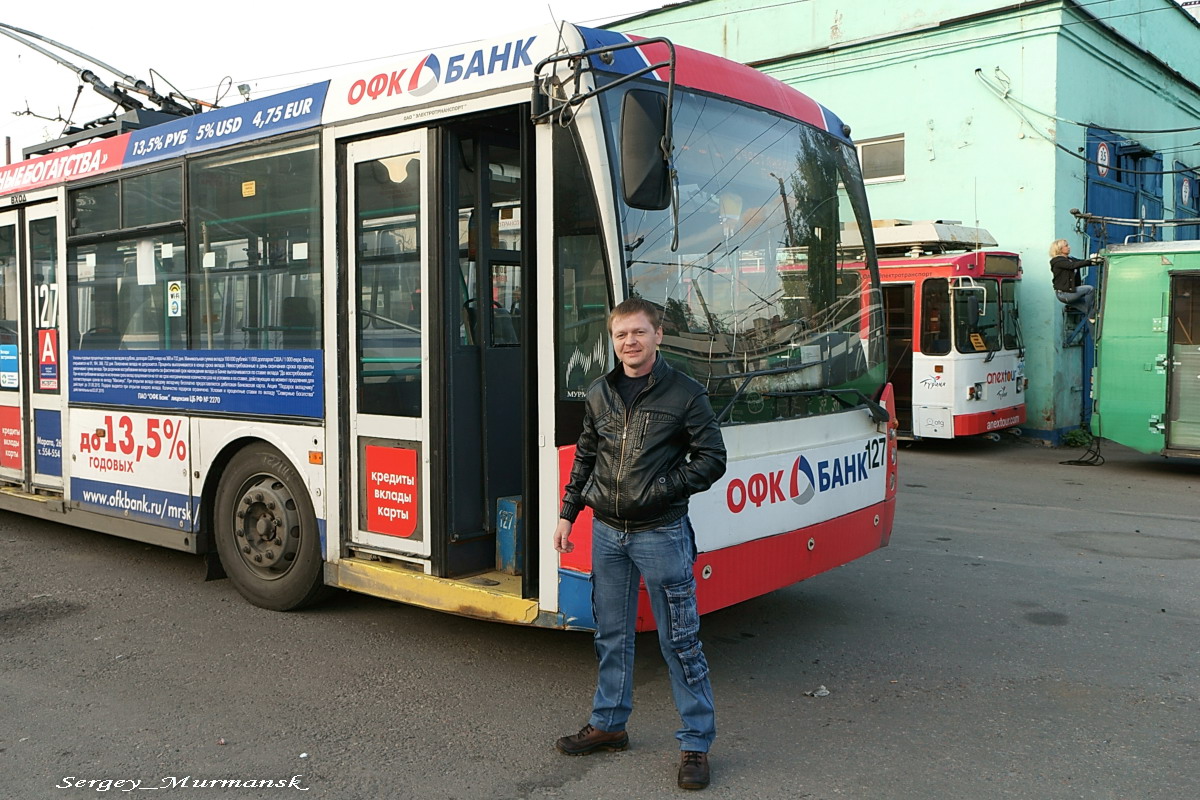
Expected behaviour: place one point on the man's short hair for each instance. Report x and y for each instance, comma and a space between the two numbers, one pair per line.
636, 305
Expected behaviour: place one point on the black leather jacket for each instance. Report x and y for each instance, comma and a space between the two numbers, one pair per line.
637, 467
1065, 272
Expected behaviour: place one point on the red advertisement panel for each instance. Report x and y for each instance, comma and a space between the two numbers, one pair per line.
11, 456
392, 488
78, 162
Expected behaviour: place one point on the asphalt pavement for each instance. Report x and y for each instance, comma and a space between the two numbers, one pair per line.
1033, 631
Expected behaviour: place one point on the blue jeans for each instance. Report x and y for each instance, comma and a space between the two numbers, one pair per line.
663, 557
1081, 298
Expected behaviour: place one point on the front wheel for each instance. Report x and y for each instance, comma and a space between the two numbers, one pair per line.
266, 531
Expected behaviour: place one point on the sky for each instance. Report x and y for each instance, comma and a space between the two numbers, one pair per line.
197, 45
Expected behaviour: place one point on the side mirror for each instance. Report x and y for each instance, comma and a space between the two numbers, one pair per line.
974, 307
645, 171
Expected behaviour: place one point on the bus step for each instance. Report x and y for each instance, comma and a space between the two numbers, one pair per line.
53, 500
497, 596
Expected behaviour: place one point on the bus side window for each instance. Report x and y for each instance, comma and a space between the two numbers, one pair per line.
254, 229
935, 317
298, 318
101, 338
1008, 302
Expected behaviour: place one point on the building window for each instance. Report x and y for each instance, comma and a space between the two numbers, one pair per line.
882, 159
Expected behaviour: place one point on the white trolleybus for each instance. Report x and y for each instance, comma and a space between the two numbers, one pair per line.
956, 359
340, 337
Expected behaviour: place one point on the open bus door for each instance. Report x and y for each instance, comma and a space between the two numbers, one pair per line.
485, 289
30, 349
438, 361
1183, 366
898, 312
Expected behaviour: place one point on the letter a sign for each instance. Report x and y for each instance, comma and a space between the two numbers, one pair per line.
48, 359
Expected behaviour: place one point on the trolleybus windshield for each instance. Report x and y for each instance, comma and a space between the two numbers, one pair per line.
756, 284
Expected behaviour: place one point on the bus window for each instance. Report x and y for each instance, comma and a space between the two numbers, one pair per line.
152, 199
9, 310
497, 259
95, 209
9, 293
977, 316
255, 232
581, 319
388, 219
127, 294
1008, 315
504, 273
935, 317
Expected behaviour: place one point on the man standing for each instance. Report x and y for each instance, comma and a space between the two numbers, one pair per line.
650, 440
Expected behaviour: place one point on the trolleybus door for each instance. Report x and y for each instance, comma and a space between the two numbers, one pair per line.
43, 391
1183, 364
386, 230
898, 314
12, 433
30, 348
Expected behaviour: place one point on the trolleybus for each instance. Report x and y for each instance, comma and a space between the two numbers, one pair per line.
340, 337
955, 356
1146, 380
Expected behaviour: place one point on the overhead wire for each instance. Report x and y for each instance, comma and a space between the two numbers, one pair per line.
1009, 96
1004, 97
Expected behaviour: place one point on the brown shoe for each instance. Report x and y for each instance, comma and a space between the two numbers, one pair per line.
591, 739
693, 770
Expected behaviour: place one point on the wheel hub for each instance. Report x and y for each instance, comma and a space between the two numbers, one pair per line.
267, 526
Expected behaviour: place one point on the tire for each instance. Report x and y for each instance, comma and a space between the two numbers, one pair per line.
266, 531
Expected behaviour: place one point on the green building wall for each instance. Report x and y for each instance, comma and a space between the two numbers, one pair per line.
993, 100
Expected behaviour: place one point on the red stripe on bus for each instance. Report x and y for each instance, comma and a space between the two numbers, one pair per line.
750, 569
82, 161
711, 73
988, 421
579, 559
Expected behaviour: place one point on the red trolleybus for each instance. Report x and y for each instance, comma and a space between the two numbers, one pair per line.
341, 336
955, 356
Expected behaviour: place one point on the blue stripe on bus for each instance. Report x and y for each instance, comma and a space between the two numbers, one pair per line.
624, 61
280, 113
834, 124
155, 506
